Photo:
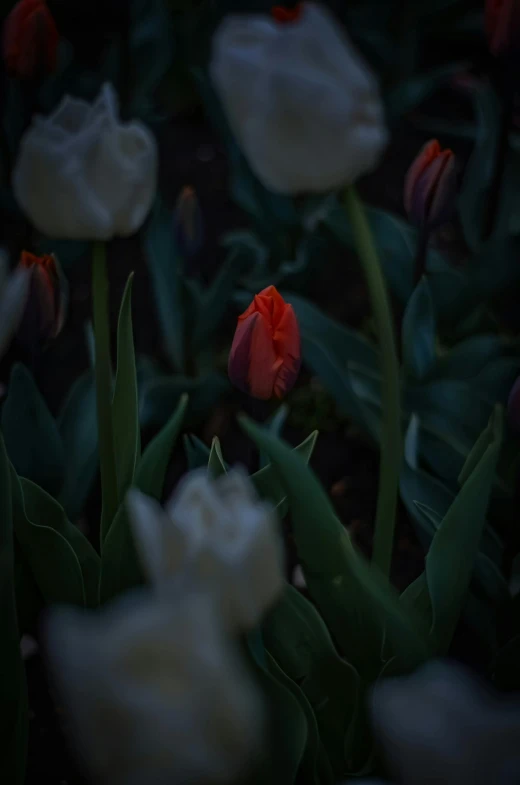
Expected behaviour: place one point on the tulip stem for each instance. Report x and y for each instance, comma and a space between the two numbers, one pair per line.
391, 439
104, 389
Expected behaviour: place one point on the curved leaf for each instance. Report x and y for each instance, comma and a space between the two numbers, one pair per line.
31, 435
14, 719
120, 567
125, 407
358, 605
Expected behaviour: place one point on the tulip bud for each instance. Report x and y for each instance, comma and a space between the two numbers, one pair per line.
430, 186
46, 305
30, 39
282, 14
503, 26
187, 222
265, 356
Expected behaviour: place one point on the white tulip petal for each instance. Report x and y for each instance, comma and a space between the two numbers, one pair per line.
81, 174
442, 725
301, 102
156, 695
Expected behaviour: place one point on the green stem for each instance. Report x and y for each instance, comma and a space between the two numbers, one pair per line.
391, 440
104, 389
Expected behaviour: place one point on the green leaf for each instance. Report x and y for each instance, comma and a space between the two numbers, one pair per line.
453, 552
296, 636
31, 435
197, 453
214, 303
120, 567
268, 485
274, 425
14, 720
345, 344
337, 380
288, 729
470, 357
418, 332
104, 389
77, 425
164, 265
64, 564
161, 395
397, 243
125, 408
479, 169
358, 605
216, 463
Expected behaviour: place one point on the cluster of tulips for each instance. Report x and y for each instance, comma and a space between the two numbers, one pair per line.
156, 685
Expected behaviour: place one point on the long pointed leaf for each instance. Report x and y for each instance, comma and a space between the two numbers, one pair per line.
125, 405
13, 691
358, 606
453, 552
120, 567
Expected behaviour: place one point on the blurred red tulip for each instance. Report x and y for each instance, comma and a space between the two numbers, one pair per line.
30, 39
430, 187
265, 356
46, 305
503, 26
282, 14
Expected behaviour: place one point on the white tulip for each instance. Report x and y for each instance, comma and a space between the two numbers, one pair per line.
82, 174
218, 532
440, 725
153, 693
14, 290
301, 102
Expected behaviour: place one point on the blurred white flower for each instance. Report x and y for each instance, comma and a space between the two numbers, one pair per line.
218, 532
82, 174
153, 692
301, 102
442, 726
14, 290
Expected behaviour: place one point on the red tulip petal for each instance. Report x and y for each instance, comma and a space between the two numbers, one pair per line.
288, 347
444, 191
238, 363
421, 162
263, 367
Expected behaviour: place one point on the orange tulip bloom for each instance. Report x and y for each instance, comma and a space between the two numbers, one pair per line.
430, 187
503, 26
265, 357
46, 305
30, 39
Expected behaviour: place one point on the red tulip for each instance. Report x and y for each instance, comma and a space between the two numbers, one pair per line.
282, 14
430, 187
265, 356
30, 39
503, 26
46, 305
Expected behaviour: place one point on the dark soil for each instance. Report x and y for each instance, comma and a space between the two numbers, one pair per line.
344, 462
